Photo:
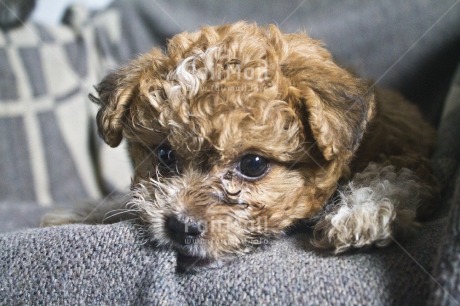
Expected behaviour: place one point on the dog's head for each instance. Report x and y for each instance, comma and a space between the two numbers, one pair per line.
236, 133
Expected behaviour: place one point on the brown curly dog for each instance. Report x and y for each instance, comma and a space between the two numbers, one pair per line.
239, 132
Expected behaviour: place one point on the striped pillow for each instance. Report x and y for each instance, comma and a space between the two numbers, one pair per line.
46, 119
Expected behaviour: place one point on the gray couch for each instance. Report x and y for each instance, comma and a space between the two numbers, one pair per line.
51, 157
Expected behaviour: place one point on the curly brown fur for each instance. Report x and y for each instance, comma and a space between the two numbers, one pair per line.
222, 93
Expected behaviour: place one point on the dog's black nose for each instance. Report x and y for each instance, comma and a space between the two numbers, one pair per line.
183, 231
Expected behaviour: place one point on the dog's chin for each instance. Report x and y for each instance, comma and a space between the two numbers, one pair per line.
194, 258
187, 263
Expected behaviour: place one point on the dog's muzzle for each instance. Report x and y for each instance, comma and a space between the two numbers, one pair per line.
184, 232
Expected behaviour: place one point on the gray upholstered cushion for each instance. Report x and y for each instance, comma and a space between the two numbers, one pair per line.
112, 265
446, 160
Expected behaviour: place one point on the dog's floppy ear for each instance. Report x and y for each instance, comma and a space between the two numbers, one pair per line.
338, 105
117, 91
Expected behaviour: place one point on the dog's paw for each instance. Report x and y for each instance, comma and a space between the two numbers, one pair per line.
363, 217
356, 227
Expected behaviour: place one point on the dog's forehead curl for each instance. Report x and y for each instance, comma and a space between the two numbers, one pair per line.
230, 99
213, 89
233, 123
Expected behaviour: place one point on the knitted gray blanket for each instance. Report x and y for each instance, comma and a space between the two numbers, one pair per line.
112, 265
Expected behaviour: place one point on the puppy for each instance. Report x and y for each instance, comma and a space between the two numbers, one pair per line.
239, 132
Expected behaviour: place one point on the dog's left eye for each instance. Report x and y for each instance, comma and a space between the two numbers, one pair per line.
166, 157
253, 166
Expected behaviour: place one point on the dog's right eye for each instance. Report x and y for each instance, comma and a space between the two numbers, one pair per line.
253, 166
166, 157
